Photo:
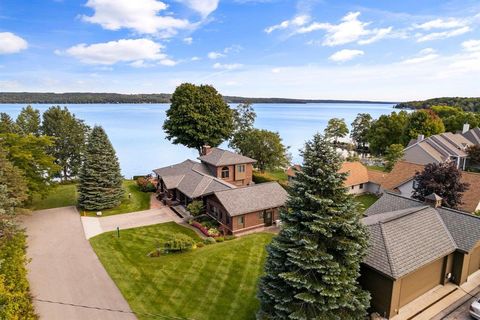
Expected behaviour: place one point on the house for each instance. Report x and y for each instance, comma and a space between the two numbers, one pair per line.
359, 180
414, 247
244, 209
443, 147
401, 181
223, 181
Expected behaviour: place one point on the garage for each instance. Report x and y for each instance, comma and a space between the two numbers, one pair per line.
474, 263
421, 281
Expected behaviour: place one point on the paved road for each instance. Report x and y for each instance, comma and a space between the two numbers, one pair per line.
461, 313
65, 268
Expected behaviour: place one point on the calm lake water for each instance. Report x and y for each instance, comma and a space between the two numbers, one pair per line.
136, 129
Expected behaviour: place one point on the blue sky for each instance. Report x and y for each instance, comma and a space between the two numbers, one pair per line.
379, 50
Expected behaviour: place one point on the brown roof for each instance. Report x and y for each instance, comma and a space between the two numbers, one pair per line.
376, 176
219, 157
357, 173
405, 171
402, 172
291, 170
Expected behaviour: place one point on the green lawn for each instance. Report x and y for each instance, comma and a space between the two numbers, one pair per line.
138, 202
66, 195
62, 195
218, 281
378, 168
278, 175
366, 200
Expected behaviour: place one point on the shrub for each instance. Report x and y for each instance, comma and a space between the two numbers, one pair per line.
219, 239
178, 242
200, 227
145, 184
209, 240
200, 244
195, 208
213, 232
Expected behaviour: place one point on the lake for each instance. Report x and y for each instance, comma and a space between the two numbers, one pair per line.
136, 129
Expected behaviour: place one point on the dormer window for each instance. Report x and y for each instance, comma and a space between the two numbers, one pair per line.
225, 172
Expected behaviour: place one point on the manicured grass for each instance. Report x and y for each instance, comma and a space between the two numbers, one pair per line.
139, 201
278, 175
62, 195
378, 168
218, 281
366, 200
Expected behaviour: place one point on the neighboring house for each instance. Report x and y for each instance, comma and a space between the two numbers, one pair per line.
223, 181
401, 180
441, 148
243, 209
359, 180
414, 247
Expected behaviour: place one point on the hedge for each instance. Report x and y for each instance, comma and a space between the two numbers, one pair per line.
15, 297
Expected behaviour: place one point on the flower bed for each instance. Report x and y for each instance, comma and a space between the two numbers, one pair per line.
207, 226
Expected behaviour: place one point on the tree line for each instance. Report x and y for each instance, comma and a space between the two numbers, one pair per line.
465, 104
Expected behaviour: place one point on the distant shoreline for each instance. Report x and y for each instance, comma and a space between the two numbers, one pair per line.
116, 98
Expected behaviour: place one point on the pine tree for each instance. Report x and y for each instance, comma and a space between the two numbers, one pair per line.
100, 184
313, 264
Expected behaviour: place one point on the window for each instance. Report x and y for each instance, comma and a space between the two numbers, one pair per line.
353, 187
225, 172
260, 215
361, 185
240, 220
240, 168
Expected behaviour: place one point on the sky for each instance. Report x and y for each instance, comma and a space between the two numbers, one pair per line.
371, 50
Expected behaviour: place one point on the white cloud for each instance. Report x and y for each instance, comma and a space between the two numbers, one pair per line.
443, 34
346, 55
449, 23
215, 55
231, 66
138, 15
296, 21
188, 40
195, 58
378, 34
11, 43
424, 55
139, 52
204, 7
471, 45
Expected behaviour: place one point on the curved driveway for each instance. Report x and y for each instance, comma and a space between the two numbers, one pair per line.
64, 268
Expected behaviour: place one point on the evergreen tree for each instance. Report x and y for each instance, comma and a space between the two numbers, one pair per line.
313, 264
100, 184
7, 125
28, 121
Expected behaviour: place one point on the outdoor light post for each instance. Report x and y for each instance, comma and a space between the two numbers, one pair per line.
118, 232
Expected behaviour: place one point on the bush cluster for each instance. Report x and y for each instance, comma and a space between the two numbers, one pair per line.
145, 184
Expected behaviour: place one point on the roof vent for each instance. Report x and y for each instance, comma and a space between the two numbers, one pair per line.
466, 127
434, 200
421, 137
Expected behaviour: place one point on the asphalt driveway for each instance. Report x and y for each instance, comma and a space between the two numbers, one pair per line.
65, 269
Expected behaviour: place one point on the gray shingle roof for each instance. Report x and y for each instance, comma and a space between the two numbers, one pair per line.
405, 240
219, 157
191, 178
473, 135
253, 198
403, 228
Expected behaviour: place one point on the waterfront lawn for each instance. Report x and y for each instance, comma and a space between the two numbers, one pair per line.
366, 200
139, 201
62, 195
217, 281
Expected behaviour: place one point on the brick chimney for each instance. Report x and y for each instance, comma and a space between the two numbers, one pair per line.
206, 150
433, 200
466, 127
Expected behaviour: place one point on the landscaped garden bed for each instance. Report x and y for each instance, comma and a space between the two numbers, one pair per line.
207, 225
214, 282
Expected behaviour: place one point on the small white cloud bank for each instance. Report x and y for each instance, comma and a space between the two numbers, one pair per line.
11, 43
427, 54
137, 52
346, 55
226, 66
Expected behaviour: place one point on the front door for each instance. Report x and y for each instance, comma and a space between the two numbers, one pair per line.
268, 217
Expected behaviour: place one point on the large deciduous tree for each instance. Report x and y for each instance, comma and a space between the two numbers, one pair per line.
198, 116
28, 121
444, 179
336, 128
313, 264
385, 131
474, 154
69, 135
360, 127
424, 122
100, 185
243, 120
264, 146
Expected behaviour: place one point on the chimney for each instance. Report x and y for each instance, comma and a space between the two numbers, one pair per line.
466, 127
206, 150
433, 200
421, 137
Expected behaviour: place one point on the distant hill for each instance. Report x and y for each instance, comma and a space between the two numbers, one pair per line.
466, 104
88, 97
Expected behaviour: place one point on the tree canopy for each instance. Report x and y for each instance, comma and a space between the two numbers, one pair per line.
198, 116
386, 130
425, 122
336, 128
444, 179
100, 185
313, 264
360, 127
28, 121
466, 104
7, 125
393, 153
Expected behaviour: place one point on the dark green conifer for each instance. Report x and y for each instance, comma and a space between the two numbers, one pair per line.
100, 184
313, 264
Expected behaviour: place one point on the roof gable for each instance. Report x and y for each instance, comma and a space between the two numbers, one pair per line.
218, 157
